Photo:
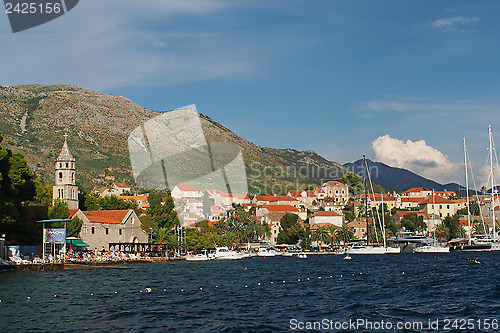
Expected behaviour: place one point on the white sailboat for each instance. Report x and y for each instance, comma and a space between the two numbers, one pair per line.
471, 244
370, 249
434, 247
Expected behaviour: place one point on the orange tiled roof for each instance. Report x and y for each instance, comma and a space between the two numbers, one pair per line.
437, 200
326, 213
416, 189
281, 208
106, 216
121, 185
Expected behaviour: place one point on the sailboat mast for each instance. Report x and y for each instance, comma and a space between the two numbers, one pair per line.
434, 215
492, 185
366, 200
467, 191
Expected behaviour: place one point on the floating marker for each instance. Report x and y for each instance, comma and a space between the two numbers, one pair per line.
283, 281
164, 289
148, 290
246, 286
319, 277
298, 280
258, 284
55, 296
28, 298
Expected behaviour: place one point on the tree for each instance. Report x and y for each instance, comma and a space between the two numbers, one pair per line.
320, 235
348, 212
115, 203
453, 228
59, 210
73, 227
17, 189
474, 209
345, 234
43, 195
412, 222
292, 230
354, 182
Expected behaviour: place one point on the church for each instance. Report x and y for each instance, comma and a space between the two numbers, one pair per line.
99, 228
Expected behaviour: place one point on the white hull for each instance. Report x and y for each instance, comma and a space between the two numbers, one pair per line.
197, 257
266, 253
390, 250
366, 250
223, 253
431, 249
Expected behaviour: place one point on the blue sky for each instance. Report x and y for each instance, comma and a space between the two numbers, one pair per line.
342, 78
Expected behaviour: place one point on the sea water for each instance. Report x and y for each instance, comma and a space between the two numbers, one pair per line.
418, 292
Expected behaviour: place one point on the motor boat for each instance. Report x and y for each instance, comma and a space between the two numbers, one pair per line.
223, 253
265, 252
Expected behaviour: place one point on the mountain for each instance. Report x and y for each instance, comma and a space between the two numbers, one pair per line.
396, 178
35, 118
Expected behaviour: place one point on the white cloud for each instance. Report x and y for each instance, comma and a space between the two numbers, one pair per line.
454, 24
417, 157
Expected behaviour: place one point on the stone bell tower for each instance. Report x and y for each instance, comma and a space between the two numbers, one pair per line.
65, 187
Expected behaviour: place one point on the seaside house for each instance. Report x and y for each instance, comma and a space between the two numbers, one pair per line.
186, 192
102, 227
326, 218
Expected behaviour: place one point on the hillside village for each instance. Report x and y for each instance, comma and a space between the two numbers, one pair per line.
322, 212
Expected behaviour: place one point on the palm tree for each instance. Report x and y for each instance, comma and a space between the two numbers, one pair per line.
334, 239
165, 237
320, 234
345, 234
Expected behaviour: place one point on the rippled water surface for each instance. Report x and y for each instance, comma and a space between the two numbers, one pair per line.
223, 296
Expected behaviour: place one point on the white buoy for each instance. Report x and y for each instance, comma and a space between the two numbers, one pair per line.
55, 296
91, 294
28, 298
246, 286
283, 281
272, 282
148, 290
201, 288
164, 289
298, 280
319, 277
258, 284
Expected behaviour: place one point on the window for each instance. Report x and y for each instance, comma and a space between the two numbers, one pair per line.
120, 232
107, 231
67, 165
448, 206
92, 231
60, 175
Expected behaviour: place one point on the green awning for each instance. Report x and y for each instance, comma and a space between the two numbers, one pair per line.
77, 242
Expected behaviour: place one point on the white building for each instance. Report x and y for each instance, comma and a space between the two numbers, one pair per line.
323, 217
